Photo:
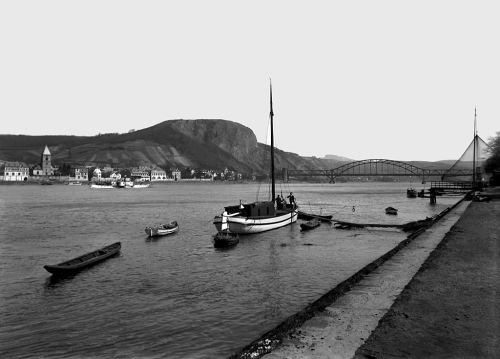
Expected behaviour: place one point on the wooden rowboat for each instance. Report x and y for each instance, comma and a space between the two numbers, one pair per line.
162, 229
391, 210
308, 216
226, 238
84, 261
313, 223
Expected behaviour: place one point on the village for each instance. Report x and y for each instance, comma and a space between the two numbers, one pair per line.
45, 170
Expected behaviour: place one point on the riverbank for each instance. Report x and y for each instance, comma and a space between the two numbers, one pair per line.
338, 329
451, 308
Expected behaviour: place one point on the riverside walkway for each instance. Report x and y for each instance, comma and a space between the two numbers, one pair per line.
436, 297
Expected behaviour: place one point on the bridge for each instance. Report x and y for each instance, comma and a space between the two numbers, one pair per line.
376, 167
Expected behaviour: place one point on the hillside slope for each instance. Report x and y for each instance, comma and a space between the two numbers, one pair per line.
206, 144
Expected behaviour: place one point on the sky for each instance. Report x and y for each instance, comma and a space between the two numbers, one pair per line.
393, 80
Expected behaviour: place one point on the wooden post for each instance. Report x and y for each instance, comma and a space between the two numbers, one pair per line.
432, 193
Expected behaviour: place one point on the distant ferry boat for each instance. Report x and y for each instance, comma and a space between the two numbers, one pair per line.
101, 185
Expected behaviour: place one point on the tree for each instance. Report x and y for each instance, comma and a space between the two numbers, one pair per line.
492, 163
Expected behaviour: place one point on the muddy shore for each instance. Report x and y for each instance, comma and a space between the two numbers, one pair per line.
451, 308
418, 324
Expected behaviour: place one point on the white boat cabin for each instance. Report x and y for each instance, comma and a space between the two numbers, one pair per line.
255, 209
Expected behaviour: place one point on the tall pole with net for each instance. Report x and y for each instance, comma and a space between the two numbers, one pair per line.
474, 153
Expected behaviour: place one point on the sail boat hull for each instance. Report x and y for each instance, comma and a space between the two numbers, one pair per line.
249, 225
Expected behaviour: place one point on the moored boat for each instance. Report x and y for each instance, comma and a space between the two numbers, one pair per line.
162, 229
309, 216
224, 237
101, 185
84, 261
391, 210
313, 223
74, 183
140, 185
411, 193
257, 217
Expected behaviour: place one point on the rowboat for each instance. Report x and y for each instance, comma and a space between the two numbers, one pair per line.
162, 229
391, 210
313, 223
411, 193
226, 238
84, 261
309, 216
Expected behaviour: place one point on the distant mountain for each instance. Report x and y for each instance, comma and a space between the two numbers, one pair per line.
205, 144
338, 158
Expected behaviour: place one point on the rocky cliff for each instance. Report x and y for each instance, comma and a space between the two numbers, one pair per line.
205, 144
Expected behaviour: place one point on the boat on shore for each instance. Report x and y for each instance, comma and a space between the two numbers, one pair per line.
162, 229
84, 261
309, 216
256, 217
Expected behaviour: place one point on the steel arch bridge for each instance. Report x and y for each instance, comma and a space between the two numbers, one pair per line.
376, 167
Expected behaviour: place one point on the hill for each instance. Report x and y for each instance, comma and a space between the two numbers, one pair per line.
205, 144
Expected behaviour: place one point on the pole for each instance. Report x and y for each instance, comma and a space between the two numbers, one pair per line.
474, 155
271, 115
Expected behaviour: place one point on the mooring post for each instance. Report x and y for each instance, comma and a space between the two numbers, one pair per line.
432, 193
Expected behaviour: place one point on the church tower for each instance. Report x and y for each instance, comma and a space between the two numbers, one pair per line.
46, 165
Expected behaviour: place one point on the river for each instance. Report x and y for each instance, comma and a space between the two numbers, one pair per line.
176, 296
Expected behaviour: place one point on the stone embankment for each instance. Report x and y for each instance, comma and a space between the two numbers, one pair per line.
434, 295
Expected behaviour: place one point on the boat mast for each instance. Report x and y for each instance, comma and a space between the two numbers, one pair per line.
271, 115
474, 154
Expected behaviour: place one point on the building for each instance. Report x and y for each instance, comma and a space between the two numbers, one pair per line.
175, 174
157, 174
46, 163
96, 175
140, 174
78, 173
15, 171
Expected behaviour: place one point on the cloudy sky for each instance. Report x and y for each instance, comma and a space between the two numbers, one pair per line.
362, 79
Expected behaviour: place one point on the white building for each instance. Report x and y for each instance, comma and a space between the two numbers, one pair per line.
16, 171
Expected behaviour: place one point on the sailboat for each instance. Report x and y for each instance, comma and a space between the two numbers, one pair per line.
256, 217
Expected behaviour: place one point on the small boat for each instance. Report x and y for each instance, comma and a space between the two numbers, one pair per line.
226, 238
84, 261
313, 223
140, 185
162, 229
411, 193
120, 184
74, 183
391, 210
101, 185
308, 216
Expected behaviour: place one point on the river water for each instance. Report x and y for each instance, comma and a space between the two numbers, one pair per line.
175, 296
